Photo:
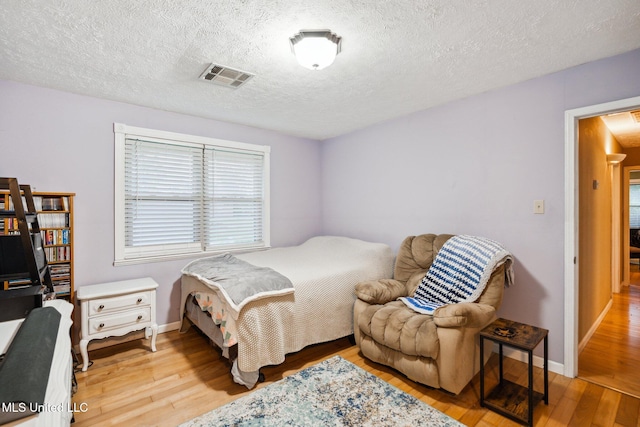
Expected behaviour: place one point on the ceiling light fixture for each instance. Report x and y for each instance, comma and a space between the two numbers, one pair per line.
315, 49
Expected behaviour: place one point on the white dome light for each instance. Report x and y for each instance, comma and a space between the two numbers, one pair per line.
315, 49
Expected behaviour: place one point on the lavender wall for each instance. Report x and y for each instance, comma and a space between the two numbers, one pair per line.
57, 141
475, 166
472, 166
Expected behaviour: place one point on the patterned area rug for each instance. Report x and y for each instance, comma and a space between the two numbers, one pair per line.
332, 393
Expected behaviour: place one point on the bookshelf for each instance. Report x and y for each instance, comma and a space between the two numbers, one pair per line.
55, 216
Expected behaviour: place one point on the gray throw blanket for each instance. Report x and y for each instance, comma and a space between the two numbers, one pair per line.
239, 281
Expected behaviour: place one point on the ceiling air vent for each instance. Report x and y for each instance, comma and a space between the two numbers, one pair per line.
225, 76
635, 115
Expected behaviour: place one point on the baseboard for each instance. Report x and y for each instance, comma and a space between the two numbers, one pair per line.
135, 335
173, 326
594, 327
522, 356
518, 355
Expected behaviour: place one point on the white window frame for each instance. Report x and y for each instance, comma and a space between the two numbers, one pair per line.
126, 256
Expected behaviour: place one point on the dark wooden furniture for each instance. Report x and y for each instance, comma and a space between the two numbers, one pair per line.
507, 398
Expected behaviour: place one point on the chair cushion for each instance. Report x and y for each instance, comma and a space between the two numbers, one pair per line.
396, 326
414, 258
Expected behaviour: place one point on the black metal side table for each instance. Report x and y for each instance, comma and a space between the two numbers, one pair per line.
507, 398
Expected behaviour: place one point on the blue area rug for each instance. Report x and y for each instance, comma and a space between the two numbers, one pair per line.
332, 393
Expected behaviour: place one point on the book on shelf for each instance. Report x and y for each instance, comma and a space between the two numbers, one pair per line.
37, 202
58, 253
53, 220
58, 203
55, 236
51, 204
45, 220
19, 283
45, 204
24, 203
12, 224
59, 269
64, 288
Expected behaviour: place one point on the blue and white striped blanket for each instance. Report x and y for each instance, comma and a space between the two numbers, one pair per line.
459, 273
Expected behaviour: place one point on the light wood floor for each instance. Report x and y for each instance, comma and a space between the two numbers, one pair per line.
612, 355
186, 377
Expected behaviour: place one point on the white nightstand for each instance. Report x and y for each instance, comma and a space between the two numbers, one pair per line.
115, 309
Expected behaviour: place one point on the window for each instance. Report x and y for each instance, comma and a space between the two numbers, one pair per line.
180, 195
634, 203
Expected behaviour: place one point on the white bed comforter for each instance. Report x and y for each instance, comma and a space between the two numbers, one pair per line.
324, 271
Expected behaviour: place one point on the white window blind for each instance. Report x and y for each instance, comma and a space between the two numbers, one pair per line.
233, 203
634, 205
180, 195
163, 188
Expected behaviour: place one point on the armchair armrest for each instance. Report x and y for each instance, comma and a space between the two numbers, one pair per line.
380, 291
469, 314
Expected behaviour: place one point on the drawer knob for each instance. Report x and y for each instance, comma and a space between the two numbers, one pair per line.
102, 325
101, 307
139, 300
140, 317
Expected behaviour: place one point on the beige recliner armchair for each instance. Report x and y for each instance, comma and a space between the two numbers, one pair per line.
440, 351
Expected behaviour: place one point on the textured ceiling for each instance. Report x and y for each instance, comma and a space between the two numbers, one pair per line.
398, 56
625, 127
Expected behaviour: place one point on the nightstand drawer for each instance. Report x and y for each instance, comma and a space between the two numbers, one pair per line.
106, 305
118, 320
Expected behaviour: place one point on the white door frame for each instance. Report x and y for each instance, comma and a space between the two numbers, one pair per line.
571, 238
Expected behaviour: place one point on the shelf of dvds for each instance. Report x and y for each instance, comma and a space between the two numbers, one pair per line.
55, 216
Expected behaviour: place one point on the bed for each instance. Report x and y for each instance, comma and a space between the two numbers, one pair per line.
323, 272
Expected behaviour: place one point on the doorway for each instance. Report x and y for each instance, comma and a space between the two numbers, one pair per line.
572, 230
571, 222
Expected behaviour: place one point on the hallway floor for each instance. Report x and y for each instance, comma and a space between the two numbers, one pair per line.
612, 355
